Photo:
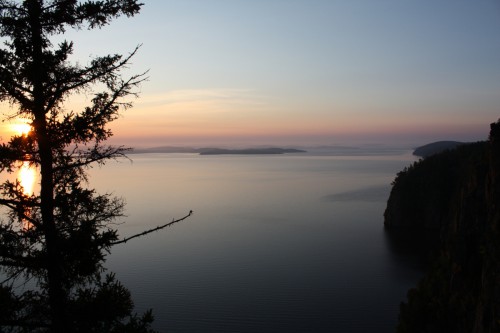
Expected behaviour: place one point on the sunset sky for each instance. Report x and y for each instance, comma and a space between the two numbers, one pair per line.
303, 72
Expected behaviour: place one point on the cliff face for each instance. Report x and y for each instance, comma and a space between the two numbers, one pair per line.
457, 194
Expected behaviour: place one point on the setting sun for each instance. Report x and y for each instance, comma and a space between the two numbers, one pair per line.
21, 128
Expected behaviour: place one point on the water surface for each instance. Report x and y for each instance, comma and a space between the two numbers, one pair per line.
281, 243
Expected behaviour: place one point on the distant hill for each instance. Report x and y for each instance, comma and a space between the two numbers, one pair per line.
435, 147
217, 151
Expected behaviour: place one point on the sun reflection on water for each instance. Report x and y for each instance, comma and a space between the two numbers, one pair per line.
27, 176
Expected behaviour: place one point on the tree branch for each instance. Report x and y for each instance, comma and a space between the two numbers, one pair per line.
92, 156
21, 262
99, 69
153, 230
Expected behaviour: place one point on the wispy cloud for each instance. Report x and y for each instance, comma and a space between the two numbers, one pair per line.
208, 100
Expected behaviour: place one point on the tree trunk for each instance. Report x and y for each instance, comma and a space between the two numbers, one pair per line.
56, 292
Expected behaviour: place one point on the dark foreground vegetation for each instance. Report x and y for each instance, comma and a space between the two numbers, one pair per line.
57, 239
456, 193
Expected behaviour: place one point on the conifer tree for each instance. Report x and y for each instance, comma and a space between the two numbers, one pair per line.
60, 236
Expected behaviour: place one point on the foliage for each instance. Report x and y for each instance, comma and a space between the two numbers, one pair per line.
422, 192
59, 237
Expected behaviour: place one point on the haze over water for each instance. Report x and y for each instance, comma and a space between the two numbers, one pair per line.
277, 243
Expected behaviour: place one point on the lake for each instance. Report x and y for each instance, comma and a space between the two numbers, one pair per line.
277, 243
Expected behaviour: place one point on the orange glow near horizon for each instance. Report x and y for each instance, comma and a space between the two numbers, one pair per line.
225, 115
170, 129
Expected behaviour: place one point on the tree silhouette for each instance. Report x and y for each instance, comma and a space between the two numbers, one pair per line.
59, 237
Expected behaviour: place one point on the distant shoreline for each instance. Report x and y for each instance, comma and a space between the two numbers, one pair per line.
218, 151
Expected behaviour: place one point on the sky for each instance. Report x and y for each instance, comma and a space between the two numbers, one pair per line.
306, 72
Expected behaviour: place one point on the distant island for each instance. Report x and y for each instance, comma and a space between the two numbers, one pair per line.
249, 151
218, 151
435, 148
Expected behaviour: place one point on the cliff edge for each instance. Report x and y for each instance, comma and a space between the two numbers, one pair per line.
456, 193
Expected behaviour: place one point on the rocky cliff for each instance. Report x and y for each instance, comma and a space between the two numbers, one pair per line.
457, 194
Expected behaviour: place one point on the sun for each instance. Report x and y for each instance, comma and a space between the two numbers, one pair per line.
21, 128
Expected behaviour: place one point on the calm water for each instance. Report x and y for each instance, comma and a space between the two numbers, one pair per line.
281, 243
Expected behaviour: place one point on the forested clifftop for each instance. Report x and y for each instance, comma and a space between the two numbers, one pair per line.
457, 194
435, 148
422, 194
